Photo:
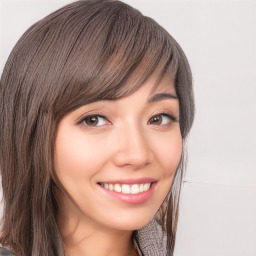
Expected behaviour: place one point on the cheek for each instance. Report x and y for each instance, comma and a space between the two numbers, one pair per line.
168, 150
77, 156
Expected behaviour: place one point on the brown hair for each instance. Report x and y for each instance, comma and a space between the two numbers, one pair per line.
84, 52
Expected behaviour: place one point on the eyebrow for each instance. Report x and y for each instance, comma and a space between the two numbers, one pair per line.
161, 96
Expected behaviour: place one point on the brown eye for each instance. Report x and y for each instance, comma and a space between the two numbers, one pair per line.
162, 119
95, 120
156, 120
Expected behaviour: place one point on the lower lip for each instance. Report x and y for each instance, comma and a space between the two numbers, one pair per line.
132, 198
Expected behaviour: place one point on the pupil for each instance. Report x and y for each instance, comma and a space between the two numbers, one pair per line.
92, 120
157, 119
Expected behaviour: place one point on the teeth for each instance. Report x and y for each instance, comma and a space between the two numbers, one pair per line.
126, 188
117, 188
146, 186
135, 189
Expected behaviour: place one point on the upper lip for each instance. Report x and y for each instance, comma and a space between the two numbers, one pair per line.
131, 181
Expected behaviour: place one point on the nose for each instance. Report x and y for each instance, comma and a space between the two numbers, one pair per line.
132, 148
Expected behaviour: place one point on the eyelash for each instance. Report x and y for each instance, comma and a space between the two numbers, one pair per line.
171, 117
98, 116
83, 120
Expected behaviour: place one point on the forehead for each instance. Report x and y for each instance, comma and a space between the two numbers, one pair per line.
162, 80
153, 90
162, 84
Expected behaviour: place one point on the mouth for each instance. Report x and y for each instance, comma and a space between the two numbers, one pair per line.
135, 192
127, 189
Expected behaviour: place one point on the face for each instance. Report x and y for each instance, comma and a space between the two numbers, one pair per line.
116, 160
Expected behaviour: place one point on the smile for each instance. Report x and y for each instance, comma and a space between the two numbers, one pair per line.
127, 188
130, 191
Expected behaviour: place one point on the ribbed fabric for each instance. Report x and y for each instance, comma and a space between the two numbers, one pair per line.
152, 240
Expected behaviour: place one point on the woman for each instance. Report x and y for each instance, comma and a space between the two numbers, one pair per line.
96, 104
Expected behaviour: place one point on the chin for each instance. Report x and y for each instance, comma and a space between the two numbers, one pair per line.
132, 221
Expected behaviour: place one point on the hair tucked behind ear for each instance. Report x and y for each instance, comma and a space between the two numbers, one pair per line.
84, 52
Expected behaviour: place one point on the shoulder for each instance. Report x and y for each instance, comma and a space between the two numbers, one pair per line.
5, 252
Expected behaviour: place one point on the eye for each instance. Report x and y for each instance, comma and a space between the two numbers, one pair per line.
95, 120
162, 119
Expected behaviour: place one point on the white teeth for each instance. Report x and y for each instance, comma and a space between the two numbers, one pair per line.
117, 188
127, 188
146, 186
135, 189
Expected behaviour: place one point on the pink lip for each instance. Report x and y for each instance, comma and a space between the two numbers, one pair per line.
132, 198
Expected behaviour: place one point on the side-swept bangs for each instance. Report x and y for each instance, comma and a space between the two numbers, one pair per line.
90, 51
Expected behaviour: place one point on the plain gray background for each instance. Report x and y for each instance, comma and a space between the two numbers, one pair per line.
218, 201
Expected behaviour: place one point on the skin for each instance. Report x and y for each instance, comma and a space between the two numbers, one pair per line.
127, 144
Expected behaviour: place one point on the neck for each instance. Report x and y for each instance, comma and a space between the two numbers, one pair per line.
97, 243
82, 236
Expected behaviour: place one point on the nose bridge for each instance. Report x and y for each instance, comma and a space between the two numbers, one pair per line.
133, 149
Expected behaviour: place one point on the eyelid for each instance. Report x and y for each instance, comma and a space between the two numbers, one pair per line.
170, 116
167, 114
81, 119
